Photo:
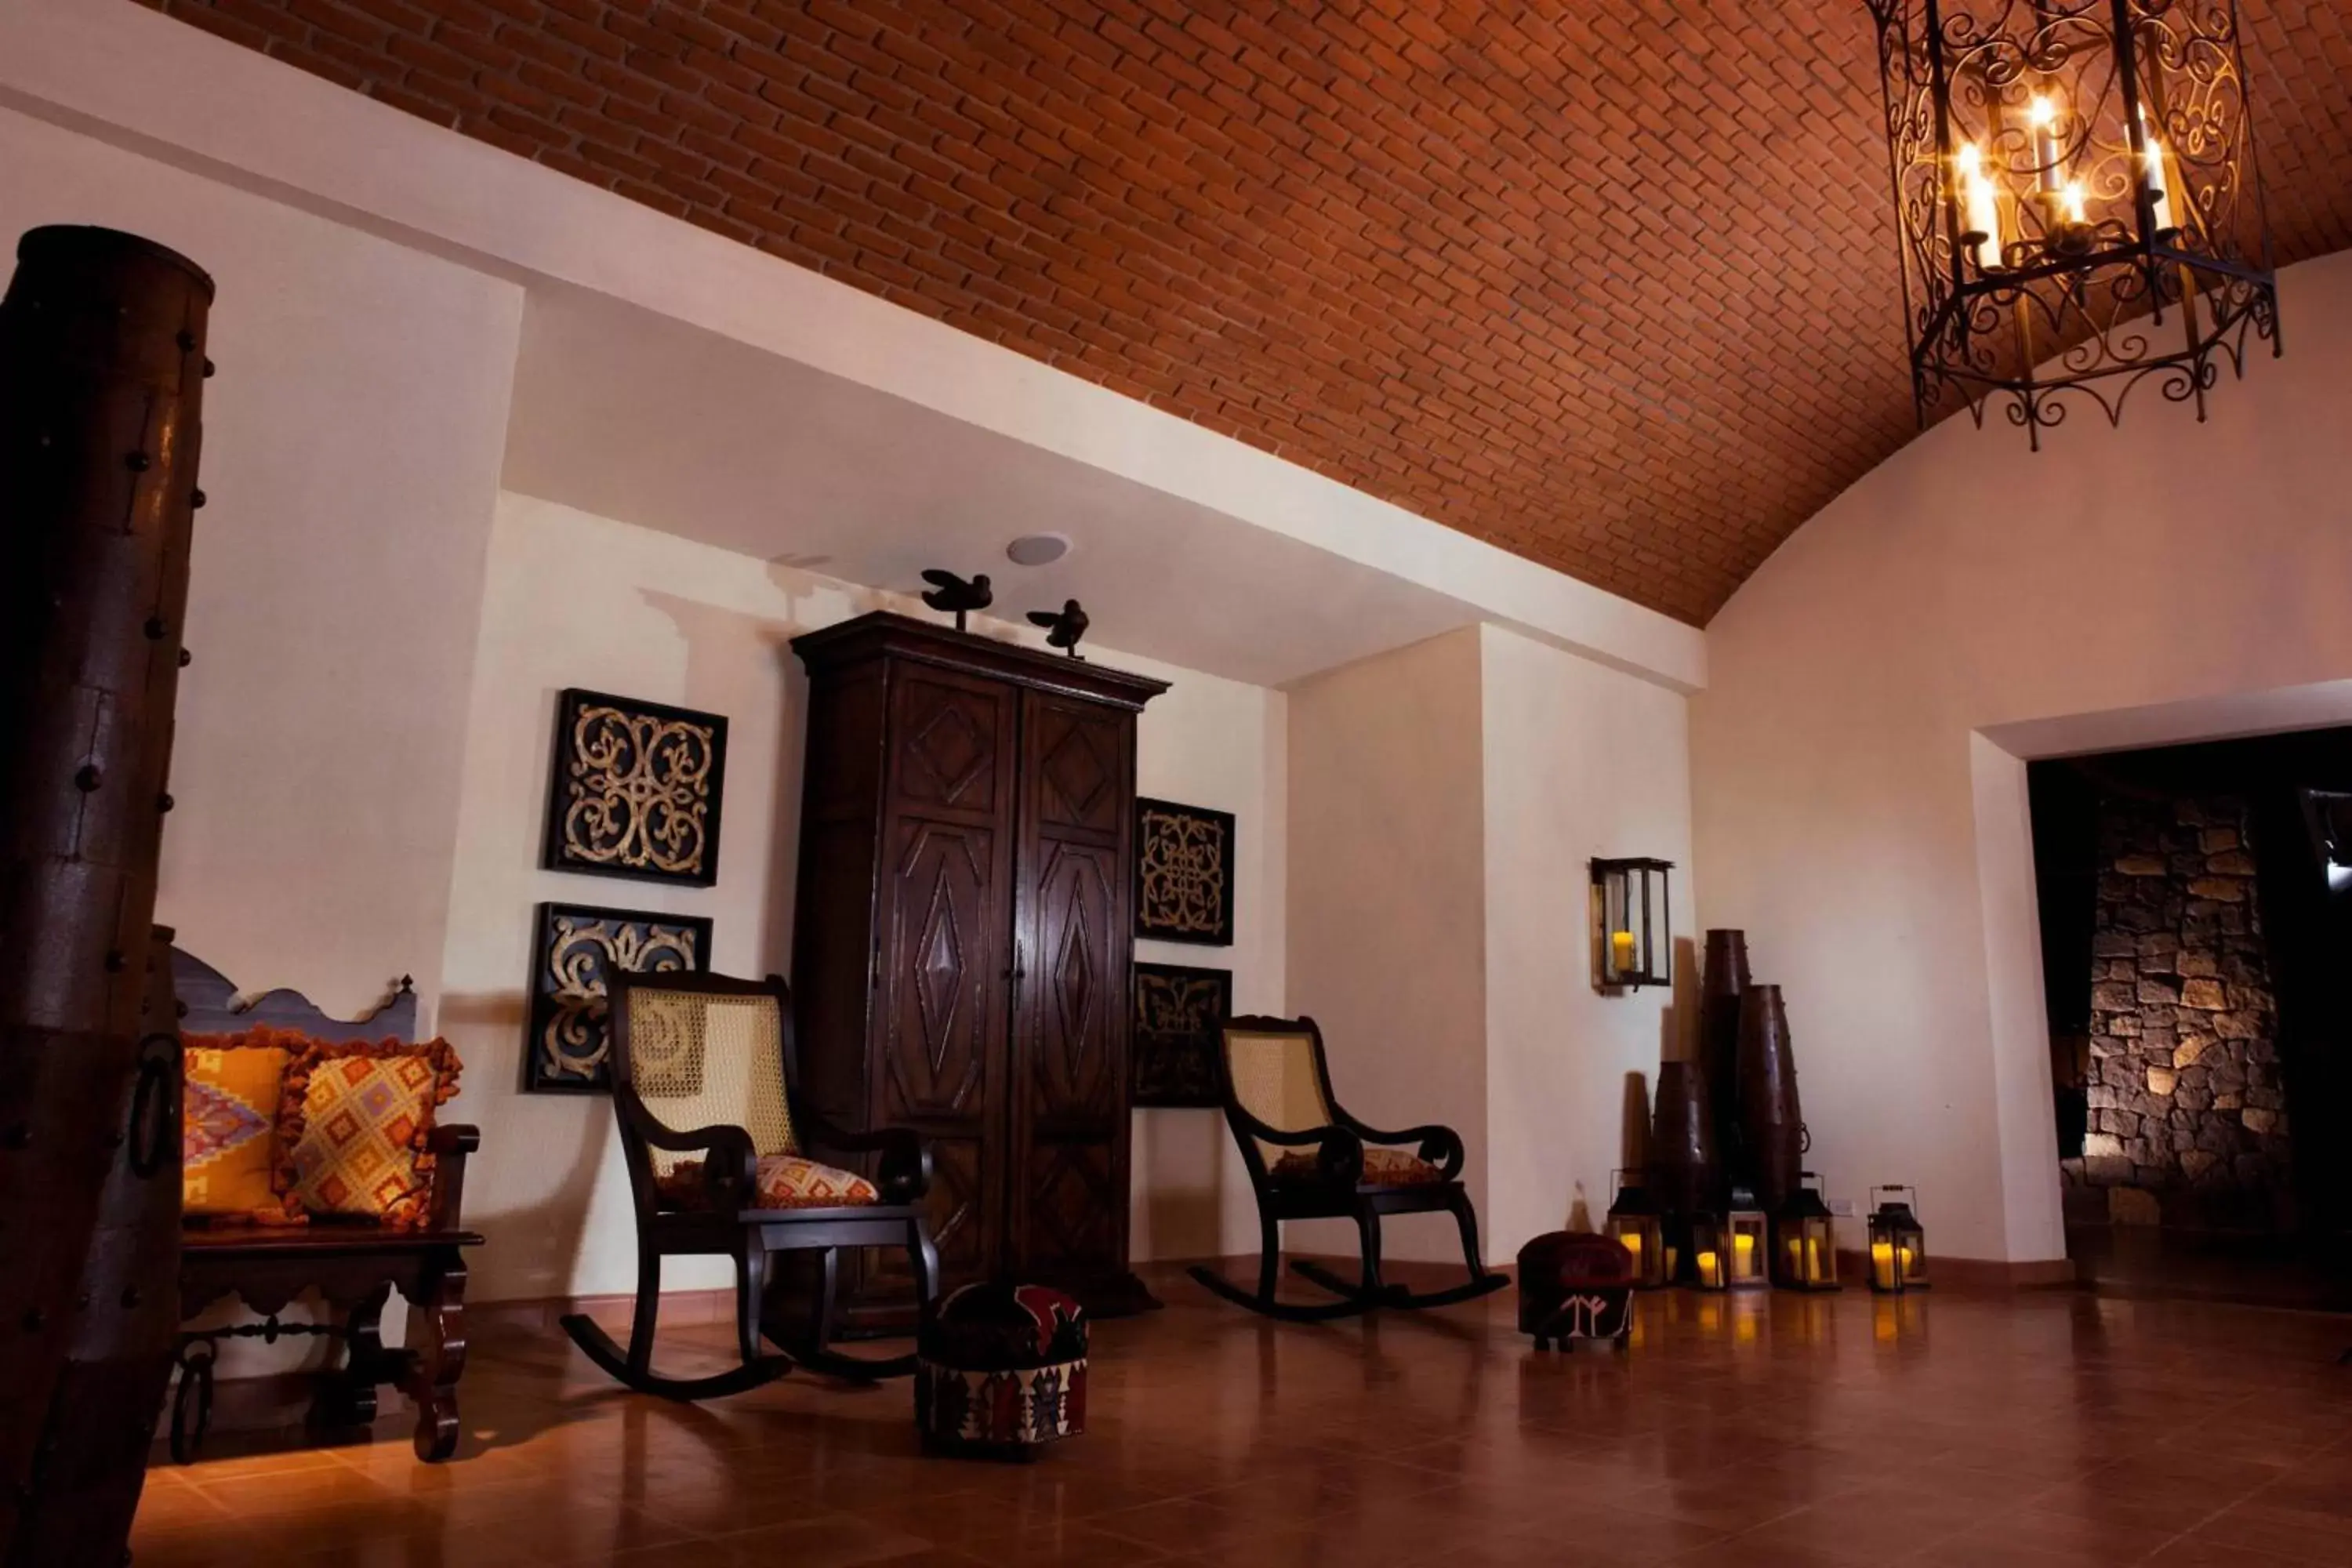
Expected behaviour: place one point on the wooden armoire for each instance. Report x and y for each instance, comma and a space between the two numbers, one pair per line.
961, 951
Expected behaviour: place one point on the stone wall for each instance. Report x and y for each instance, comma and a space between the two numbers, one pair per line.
2188, 1121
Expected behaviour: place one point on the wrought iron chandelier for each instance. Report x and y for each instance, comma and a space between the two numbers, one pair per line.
2077, 199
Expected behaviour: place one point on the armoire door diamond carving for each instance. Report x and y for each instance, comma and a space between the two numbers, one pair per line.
962, 945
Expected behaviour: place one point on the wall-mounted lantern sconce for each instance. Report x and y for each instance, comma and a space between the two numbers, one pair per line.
1635, 927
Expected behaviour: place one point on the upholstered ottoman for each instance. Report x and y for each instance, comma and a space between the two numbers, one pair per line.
1575, 1287
1000, 1371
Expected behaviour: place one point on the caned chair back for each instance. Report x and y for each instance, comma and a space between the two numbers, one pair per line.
1276, 1076
697, 1057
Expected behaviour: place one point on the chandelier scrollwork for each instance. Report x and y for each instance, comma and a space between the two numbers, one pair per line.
2077, 200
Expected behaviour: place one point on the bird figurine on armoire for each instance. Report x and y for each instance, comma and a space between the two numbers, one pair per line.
951, 595
1062, 628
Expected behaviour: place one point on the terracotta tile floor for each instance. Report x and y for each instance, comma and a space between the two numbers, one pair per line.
2042, 1430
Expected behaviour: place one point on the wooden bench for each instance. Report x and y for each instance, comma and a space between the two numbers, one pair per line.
353, 1267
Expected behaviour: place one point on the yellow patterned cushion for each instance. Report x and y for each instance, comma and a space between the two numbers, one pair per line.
228, 1125
1383, 1168
354, 1127
786, 1182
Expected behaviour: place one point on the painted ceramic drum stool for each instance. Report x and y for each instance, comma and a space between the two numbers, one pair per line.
1575, 1287
1000, 1371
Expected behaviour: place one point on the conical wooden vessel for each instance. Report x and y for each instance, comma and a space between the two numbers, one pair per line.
1684, 1156
1772, 1124
1720, 987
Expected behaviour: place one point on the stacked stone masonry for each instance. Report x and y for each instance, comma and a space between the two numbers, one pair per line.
2184, 1084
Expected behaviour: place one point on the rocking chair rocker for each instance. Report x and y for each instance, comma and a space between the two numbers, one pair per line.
1308, 1159
714, 1138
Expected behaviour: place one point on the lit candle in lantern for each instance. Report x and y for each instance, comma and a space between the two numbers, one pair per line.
1979, 206
1621, 947
1710, 1268
1743, 1257
2043, 117
1812, 1260
1904, 1258
1882, 1263
1632, 1240
2159, 199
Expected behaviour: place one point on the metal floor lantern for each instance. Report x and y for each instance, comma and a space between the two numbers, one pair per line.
2076, 198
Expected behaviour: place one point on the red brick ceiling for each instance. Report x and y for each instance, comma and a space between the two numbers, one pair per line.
1611, 283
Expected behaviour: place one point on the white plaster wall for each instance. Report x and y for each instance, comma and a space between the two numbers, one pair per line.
1844, 808
1580, 760
353, 440
1387, 911
577, 600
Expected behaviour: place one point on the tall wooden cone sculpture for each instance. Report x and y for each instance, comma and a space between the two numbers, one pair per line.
101, 371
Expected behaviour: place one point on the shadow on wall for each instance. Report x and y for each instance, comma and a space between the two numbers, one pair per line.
545, 1236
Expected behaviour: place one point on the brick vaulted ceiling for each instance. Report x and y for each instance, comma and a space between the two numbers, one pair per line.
1611, 283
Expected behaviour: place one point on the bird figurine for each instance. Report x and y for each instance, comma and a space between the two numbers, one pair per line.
952, 595
1063, 630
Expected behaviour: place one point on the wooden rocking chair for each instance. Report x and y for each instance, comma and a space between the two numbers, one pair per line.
717, 1144
1308, 1159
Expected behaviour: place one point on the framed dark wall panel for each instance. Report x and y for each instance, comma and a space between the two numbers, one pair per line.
1179, 1014
634, 789
1183, 873
573, 948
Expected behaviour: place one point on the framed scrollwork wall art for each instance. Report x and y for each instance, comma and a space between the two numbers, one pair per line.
573, 950
1178, 1016
634, 789
1183, 873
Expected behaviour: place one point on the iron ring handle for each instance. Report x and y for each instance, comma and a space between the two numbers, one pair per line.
150, 1107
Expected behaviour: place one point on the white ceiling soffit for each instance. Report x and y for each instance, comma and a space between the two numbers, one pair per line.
171, 93
632, 415
2321, 705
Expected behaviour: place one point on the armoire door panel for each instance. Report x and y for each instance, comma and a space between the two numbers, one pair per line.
1075, 1208
950, 738
939, 962
1072, 1063
1081, 755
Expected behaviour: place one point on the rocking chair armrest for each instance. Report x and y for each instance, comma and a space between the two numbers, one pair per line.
1440, 1145
1339, 1152
730, 1163
904, 1174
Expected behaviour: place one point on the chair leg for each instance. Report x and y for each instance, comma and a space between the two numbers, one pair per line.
437, 1326
641, 1323
750, 1293
821, 1307
923, 1259
1269, 1266
1467, 1218
1367, 1230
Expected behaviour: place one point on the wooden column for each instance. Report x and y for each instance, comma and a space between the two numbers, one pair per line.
102, 371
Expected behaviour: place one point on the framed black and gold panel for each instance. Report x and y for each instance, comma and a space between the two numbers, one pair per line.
634, 789
1178, 1012
1183, 873
574, 948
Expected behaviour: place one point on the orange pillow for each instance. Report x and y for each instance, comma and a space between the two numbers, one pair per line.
228, 1125
353, 1124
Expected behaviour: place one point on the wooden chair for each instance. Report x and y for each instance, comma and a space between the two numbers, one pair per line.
718, 1147
1308, 1159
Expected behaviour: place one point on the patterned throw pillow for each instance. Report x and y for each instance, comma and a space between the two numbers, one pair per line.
353, 1125
786, 1182
228, 1125
1383, 1168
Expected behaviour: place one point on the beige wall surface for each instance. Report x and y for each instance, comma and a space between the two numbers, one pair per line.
352, 448
578, 600
1386, 913
1847, 813
1580, 761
